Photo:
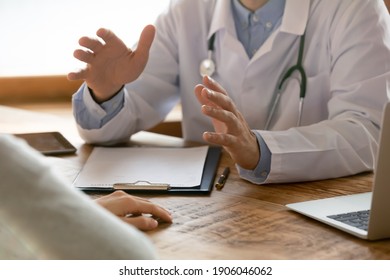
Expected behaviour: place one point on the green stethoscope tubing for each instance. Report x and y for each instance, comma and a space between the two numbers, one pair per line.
302, 93
207, 67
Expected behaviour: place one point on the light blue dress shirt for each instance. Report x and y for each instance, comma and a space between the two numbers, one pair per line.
253, 29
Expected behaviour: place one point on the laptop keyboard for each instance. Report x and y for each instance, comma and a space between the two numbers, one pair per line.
357, 219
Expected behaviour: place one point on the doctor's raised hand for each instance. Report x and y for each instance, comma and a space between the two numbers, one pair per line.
110, 63
231, 130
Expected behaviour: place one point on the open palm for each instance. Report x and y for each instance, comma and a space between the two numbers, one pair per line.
110, 63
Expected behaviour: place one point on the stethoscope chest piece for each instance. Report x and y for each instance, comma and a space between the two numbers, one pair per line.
207, 67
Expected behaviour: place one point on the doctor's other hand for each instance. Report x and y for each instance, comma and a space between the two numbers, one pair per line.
231, 129
133, 210
110, 63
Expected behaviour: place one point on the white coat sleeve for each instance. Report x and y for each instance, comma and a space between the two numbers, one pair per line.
55, 221
147, 100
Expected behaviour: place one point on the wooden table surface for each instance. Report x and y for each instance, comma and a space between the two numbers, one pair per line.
242, 221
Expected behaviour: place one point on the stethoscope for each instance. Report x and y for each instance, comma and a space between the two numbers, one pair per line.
207, 68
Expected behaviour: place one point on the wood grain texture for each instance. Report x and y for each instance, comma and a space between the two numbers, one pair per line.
242, 221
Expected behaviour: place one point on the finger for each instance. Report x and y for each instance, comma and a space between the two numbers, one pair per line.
142, 222
218, 98
202, 96
208, 83
154, 210
84, 55
107, 35
198, 93
145, 41
231, 121
91, 43
213, 85
78, 75
133, 204
220, 139
218, 114
123, 204
140, 198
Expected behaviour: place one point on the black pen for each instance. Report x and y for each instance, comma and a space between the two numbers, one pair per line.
222, 179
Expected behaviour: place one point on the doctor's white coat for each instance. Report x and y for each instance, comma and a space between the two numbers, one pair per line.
347, 63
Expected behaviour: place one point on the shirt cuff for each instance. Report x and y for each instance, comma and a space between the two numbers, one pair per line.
260, 173
91, 115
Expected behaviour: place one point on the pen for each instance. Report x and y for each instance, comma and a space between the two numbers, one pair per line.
222, 179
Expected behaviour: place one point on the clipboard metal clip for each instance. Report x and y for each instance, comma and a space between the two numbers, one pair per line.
141, 185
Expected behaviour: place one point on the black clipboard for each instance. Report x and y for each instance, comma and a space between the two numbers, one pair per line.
208, 177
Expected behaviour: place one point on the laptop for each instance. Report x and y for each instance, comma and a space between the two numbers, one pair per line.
364, 215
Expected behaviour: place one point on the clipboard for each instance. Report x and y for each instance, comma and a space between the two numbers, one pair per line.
205, 187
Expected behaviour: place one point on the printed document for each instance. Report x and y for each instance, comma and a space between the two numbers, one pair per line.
178, 167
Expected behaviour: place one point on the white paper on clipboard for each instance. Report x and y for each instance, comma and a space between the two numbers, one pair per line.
178, 167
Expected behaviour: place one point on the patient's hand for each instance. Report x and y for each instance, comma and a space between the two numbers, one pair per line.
131, 209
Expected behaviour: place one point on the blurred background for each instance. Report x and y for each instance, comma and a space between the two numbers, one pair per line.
37, 41
38, 37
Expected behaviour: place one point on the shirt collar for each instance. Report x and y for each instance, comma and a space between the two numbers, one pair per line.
294, 20
269, 13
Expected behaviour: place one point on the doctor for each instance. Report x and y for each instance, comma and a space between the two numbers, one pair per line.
323, 124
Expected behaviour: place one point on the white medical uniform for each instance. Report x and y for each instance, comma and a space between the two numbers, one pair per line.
346, 59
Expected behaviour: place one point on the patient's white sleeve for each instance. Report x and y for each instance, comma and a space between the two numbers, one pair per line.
55, 221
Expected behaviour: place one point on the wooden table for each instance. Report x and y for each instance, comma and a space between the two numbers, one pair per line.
242, 221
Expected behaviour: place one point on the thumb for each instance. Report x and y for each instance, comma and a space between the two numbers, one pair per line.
146, 40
